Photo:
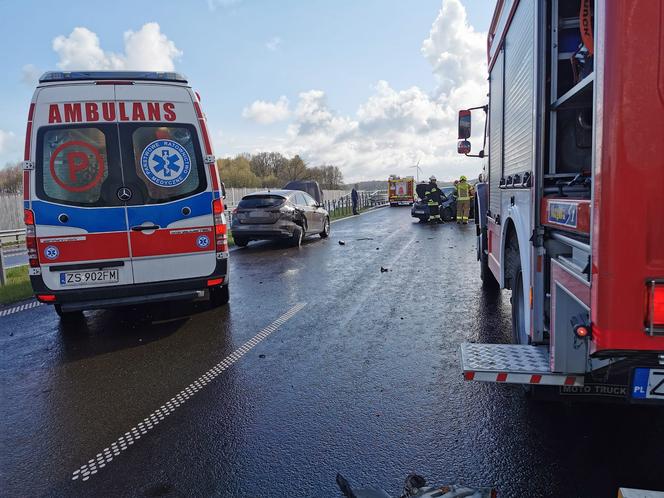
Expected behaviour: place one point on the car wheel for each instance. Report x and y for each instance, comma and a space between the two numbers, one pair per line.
240, 241
447, 214
68, 316
296, 238
326, 229
219, 296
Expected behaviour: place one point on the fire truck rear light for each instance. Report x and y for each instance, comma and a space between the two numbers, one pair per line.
213, 282
46, 298
582, 331
655, 305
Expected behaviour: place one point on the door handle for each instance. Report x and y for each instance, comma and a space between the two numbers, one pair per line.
142, 228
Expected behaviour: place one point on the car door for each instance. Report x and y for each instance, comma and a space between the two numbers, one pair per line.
81, 223
314, 214
170, 219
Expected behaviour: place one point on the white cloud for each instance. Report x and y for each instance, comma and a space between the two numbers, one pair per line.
146, 49
393, 129
30, 74
264, 112
273, 44
9, 148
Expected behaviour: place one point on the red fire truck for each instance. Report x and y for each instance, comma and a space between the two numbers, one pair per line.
571, 217
400, 190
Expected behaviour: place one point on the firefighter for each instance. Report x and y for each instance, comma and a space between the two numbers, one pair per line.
463, 195
433, 196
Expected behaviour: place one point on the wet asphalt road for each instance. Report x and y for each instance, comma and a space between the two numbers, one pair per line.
364, 380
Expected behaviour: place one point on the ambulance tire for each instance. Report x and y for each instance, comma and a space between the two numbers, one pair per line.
296, 238
68, 316
219, 296
326, 229
240, 242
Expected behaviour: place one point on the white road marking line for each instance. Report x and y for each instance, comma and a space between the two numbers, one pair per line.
123, 442
22, 307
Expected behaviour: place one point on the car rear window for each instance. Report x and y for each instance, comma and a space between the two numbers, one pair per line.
73, 164
260, 201
167, 160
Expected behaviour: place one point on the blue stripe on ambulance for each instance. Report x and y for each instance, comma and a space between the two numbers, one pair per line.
165, 214
92, 220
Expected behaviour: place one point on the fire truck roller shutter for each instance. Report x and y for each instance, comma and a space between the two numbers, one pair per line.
496, 133
520, 91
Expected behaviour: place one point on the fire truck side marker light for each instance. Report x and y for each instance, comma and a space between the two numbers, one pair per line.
105, 456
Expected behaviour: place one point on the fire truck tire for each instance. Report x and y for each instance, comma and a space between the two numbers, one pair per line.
489, 281
513, 271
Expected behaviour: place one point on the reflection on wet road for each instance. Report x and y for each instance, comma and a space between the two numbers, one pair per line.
363, 379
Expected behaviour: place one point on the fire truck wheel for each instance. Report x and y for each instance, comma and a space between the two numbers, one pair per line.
519, 334
219, 296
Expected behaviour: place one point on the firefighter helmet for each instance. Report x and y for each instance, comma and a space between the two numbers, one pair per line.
432, 178
463, 178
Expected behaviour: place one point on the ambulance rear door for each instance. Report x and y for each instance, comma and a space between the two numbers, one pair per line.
170, 219
81, 223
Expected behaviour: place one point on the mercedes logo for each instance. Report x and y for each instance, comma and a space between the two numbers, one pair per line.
124, 194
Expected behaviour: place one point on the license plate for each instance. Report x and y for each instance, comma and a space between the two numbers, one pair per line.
257, 214
89, 277
648, 383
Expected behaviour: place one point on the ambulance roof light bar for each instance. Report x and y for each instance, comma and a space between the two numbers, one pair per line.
52, 76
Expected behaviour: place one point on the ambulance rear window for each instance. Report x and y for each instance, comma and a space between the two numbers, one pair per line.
167, 160
73, 165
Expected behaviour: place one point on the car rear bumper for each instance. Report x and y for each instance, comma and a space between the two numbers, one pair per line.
283, 229
129, 295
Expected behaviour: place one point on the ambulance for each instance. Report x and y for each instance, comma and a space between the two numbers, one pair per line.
121, 194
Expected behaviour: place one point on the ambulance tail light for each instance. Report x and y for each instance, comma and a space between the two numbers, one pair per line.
655, 308
31, 238
220, 229
46, 298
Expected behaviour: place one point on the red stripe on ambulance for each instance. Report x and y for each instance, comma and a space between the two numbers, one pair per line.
171, 241
86, 247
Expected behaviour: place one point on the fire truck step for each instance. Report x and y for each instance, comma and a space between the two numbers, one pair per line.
512, 364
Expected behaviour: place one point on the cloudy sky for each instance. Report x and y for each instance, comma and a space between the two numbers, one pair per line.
371, 86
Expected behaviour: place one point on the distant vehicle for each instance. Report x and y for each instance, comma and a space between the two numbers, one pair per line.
279, 214
420, 209
401, 191
378, 197
309, 186
122, 201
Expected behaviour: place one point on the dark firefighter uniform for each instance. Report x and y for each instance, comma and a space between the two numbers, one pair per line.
434, 197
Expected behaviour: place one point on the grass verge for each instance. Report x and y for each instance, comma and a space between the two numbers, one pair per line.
17, 287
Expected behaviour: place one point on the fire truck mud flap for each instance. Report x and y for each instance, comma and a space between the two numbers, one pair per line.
512, 364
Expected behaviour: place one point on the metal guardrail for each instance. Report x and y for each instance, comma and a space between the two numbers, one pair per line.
17, 234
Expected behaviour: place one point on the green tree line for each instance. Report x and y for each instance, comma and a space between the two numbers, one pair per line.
272, 169
11, 179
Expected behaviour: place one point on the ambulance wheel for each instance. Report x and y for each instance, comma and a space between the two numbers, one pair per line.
219, 296
326, 229
240, 242
67, 316
296, 238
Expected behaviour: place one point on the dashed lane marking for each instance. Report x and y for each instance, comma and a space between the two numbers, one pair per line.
101, 459
22, 307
